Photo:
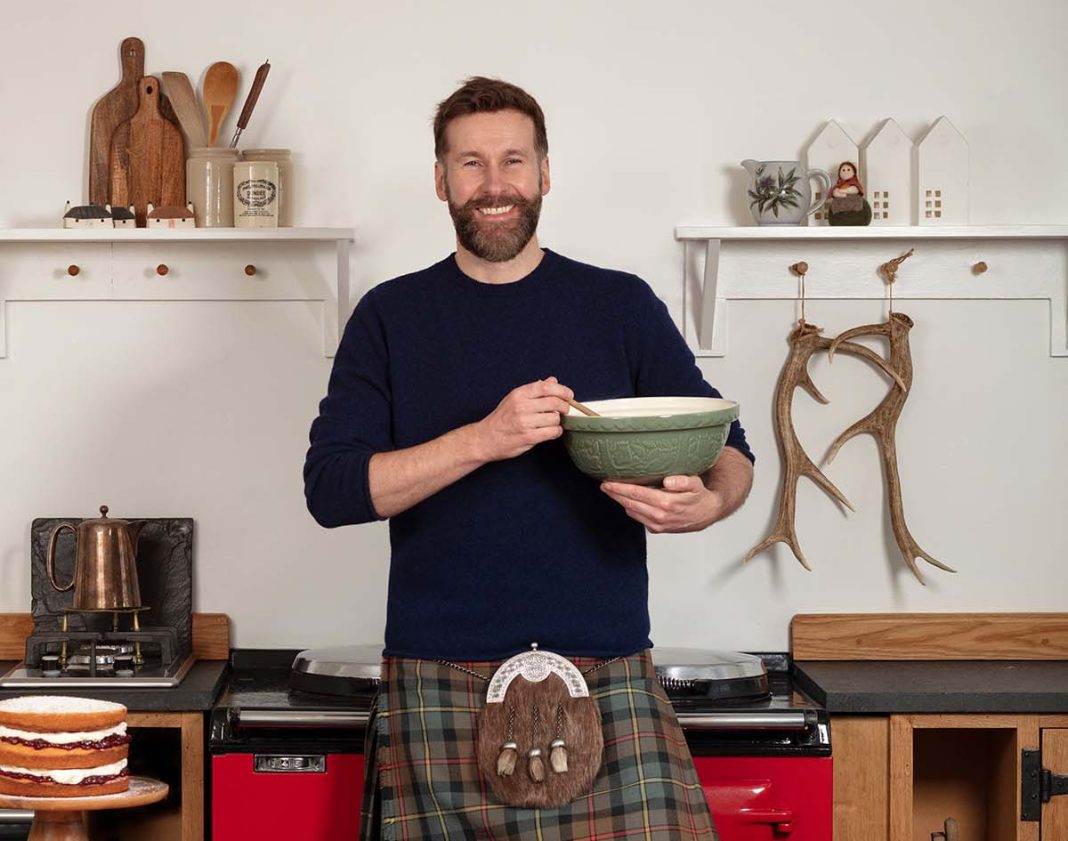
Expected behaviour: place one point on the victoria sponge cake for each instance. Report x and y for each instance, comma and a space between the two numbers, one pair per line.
52, 746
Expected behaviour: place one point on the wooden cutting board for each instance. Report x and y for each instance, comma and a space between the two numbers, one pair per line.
147, 157
113, 109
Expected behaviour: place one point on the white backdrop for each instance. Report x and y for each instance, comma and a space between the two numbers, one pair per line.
202, 409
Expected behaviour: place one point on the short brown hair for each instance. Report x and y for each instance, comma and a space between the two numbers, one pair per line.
480, 94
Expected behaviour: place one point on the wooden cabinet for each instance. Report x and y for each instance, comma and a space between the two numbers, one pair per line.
167, 746
898, 776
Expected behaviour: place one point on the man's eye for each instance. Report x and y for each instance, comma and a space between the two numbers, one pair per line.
470, 164
515, 160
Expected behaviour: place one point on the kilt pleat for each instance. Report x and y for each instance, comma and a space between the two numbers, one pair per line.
423, 782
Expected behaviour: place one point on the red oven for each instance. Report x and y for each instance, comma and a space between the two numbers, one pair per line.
284, 765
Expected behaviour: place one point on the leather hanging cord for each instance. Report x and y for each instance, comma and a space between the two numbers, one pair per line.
889, 271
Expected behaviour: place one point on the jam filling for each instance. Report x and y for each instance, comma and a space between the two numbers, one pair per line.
88, 781
112, 741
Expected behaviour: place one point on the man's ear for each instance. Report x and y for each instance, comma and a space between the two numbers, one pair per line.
545, 175
439, 181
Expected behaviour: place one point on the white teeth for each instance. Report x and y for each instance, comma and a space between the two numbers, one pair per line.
496, 211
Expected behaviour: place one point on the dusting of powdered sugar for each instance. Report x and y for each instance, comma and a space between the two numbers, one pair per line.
57, 704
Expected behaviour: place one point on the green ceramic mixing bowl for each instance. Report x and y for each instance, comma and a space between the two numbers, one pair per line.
643, 439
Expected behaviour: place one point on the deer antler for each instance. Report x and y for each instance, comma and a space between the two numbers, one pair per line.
805, 340
882, 424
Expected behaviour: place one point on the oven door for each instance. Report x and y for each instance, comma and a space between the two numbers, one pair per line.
760, 798
277, 778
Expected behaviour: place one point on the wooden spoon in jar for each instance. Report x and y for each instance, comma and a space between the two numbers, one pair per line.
219, 92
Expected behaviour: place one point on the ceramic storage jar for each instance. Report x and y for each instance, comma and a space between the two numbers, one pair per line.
283, 158
209, 185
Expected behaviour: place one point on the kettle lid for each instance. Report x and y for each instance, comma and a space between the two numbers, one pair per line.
104, 519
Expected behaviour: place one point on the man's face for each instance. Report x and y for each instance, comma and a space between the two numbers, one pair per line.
493, 181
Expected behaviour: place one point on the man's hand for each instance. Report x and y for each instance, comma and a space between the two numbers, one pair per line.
688, 503
527, 416
684, 504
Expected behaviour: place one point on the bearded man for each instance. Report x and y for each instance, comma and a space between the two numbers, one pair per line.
443, 415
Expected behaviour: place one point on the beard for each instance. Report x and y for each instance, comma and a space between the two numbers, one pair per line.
495, 242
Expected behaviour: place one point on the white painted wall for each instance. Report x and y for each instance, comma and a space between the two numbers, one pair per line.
202, 409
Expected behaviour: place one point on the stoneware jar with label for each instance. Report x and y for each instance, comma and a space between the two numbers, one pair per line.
284, 159
256, 194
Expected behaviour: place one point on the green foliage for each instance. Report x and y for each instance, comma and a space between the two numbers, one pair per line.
772, 193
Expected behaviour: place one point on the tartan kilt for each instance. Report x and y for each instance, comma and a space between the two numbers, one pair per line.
422, 778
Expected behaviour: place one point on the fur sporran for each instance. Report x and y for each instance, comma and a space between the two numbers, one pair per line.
540, 748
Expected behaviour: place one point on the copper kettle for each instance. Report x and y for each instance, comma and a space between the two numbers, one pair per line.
105, 563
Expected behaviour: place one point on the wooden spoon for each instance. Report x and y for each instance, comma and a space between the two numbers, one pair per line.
180, 92
219, 92
586, 410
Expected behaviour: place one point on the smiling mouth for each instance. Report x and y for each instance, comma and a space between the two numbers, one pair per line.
495, 211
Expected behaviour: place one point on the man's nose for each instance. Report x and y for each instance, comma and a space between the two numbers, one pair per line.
494, 180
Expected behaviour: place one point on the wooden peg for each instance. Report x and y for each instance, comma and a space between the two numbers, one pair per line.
980, 267
162, 269
250, 270
799, 268
73, 270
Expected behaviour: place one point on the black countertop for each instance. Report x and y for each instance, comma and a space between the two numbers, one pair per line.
197, 691
1010, 686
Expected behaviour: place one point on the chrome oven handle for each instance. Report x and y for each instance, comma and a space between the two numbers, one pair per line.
792, 720
298, 718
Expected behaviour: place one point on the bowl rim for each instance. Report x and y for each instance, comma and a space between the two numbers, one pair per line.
724, 412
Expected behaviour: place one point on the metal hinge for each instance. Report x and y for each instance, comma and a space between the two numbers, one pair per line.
1038, 786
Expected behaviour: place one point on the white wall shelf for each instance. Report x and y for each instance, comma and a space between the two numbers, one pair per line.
202, 264
1023, 262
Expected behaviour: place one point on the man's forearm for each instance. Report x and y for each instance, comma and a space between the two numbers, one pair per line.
402, 478
732, 478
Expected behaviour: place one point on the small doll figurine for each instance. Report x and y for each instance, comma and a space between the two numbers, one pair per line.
846, 204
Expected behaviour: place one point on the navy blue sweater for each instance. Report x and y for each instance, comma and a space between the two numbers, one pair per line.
523, 550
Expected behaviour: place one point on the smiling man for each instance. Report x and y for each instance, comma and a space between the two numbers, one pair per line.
443, 415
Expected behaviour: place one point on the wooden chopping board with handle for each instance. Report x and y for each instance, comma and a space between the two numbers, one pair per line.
113, 109
147, 160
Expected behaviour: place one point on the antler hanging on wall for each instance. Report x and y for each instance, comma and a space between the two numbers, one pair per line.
881, 422
805, 341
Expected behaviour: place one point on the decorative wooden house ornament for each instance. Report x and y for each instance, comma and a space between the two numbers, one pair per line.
87, 216
831, 146
886, 170
942, 176
124, 217
173, 216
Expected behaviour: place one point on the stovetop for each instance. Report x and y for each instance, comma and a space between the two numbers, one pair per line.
258, 698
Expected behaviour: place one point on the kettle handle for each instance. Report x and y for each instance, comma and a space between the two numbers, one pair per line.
50, 561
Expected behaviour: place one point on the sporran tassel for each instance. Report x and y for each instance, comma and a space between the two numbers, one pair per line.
509, 754
507, 758
558, 757
537, 765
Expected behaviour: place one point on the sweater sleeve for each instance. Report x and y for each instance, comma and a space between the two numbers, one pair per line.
354, 423
662, 364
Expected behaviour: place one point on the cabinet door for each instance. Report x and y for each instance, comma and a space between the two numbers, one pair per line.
1055, 758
